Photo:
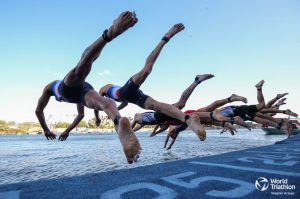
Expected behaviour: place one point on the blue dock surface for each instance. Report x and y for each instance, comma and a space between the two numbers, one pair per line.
265, 172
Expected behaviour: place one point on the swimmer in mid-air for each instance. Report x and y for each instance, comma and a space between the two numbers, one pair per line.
252, 113
257, 112
151, 118
131, 93
74, 89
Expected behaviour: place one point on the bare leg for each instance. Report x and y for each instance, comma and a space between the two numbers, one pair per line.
279, 103
265, 122
271, 102
78, 75
180, 104
184, 97
274, 110
192, 121
222, 102
284, 127
141, 76
128, 139
237, 120
167, 109
187, 93
267, 117
260, 97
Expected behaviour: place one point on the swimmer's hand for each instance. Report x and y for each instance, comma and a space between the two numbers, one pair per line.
152, 134
50, 135
63, 136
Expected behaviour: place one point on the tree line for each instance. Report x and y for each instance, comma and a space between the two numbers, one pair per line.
12, 127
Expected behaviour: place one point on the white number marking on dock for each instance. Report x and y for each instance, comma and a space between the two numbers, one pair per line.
243, 188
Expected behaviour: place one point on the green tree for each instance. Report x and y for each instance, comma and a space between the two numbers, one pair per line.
92, 123
11, 123
3, 126
24, 127
61, 125
37, 125
82, 124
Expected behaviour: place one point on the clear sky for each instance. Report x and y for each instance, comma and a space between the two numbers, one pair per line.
240, 42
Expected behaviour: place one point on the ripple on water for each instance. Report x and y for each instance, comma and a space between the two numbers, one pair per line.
27, 158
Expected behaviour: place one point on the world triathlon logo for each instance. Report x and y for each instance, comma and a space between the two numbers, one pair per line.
262, 184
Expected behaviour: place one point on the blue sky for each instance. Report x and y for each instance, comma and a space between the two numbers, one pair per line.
240, 42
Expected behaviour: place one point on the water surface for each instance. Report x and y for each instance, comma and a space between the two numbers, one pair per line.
32, 157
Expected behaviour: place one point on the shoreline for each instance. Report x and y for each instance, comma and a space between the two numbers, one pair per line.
86, 131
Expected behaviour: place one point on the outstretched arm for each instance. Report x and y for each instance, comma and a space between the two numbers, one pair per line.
154, 130
80, 116
42, 103
163, 127
122, 105
174, 132
98, 120
226, 126
102, 92
138, 127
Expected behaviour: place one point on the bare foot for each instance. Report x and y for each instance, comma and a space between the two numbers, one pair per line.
174, 30
201, 133
129, 141
121, 24
194, 123
201, 78
235, 97
291, 113
280, 102
260, 84
281, 95
241, 122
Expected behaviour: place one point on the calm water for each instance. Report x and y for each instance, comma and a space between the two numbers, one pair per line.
32, 157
